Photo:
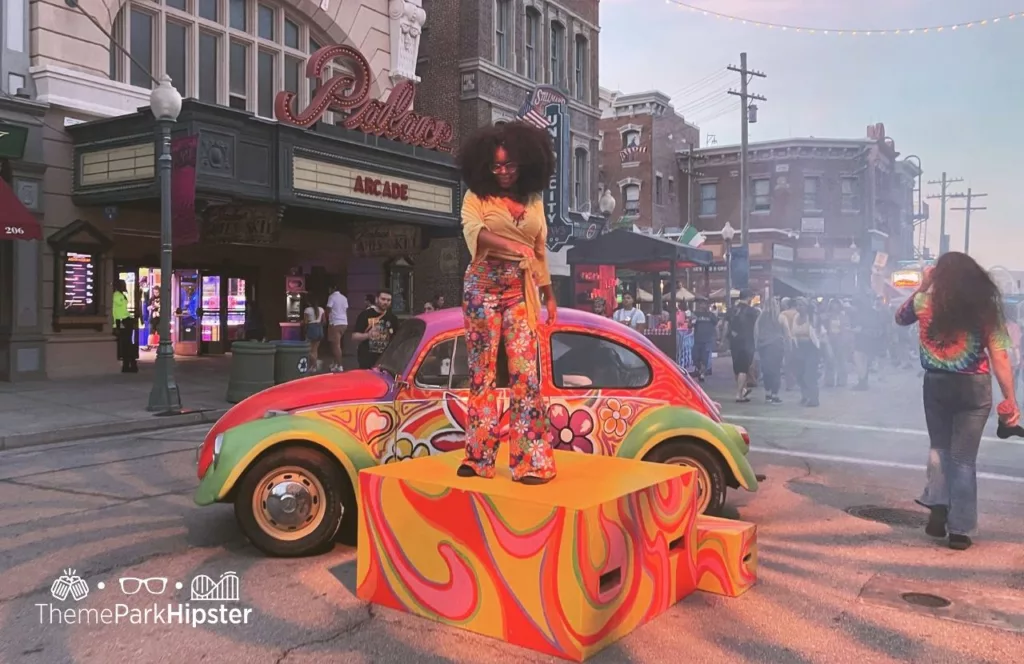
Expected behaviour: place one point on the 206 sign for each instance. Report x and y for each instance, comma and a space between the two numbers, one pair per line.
14, 230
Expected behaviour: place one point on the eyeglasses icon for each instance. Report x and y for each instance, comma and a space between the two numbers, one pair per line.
154, 585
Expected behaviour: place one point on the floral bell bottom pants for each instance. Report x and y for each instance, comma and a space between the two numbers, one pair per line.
494, 308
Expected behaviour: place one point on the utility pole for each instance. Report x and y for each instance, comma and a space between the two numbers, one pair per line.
945, 182
967, 215
745, 110
691, 178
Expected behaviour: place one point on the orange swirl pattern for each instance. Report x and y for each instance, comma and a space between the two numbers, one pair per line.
726, 556
557, 573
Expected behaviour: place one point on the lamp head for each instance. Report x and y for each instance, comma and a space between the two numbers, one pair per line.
728, 232
606, 204
165, 100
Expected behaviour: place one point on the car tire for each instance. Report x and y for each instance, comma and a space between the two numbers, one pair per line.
707, 463
316, 484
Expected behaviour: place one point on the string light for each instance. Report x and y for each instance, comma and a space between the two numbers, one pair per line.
803, 29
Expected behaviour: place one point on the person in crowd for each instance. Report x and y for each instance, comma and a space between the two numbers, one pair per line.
629, 315
865, 334
599, 306
124, 328
808, 344
1014, 330
739, 330
771, 337
963, 338
837, 326
506, 169
313, 317
429, 307
337, 323
154, 314
704, 330
790, 361
439, 302
373, 330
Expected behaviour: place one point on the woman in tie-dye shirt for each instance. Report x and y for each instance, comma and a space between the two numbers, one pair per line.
963, 338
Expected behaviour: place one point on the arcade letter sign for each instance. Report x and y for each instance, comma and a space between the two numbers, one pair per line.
547, 108
348, 94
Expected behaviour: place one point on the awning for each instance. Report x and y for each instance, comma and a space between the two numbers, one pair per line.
637, 251
793, 284
16, 222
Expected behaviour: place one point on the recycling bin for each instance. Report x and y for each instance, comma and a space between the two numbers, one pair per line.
291, 361
252, 369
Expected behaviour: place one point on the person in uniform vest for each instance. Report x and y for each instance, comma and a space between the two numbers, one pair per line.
124, 325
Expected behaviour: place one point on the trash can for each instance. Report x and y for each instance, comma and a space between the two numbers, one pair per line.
291, 361
252, 369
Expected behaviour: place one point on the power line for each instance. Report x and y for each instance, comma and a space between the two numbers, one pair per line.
967, 209
945, 182
718, 74
746, 109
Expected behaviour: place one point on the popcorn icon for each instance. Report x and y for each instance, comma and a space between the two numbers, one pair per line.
69, 583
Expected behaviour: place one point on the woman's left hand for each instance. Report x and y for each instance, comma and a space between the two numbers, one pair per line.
552, 308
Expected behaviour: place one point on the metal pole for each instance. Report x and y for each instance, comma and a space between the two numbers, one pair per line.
164, 396
689, 187
967, 224
728, 275
743, 150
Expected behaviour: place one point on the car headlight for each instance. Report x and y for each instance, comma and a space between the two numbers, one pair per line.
218, 442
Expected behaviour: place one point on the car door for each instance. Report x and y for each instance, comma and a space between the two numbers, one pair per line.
432, 409
596, 391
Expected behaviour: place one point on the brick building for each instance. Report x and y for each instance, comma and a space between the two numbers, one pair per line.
827, 217
641, 135
480, 61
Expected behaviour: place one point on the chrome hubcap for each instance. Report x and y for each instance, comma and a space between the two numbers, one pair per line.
289, 503
703, 480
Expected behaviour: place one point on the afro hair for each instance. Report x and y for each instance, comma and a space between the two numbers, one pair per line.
528, 146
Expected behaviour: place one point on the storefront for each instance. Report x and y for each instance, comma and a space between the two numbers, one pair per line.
22, 345
281, 212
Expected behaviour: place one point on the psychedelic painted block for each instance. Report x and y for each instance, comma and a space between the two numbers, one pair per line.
726, 555
564, 568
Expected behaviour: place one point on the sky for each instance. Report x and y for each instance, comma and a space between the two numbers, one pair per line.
955, 99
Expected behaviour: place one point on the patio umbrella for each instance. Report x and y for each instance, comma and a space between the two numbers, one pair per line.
682, 295
643, 296
720, 294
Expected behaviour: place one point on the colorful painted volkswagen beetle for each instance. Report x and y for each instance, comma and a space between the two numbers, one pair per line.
288, 457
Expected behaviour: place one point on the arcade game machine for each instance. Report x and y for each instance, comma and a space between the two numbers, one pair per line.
235, 311
210, 342
294, 289
185, 307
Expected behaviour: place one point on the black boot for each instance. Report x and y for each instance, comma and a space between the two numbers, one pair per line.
937, 522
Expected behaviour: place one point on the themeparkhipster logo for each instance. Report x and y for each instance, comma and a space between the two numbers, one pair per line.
215, 602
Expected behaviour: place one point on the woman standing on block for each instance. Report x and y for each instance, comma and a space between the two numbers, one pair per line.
506, 168
963, 341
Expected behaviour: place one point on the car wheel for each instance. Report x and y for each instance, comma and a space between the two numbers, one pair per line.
711, 486
292, 502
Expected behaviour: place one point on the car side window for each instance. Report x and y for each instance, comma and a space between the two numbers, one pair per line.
460, 367
585, 361
436, 369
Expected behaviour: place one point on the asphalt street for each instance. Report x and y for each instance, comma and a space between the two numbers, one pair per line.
831, 583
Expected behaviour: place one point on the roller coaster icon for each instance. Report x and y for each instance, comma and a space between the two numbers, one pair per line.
204, 588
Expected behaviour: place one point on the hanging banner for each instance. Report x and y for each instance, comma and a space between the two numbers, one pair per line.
184, 227
548, 108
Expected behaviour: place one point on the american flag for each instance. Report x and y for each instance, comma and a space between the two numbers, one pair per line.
632, 153
536, 118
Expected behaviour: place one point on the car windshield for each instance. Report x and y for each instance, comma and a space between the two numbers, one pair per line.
400, 351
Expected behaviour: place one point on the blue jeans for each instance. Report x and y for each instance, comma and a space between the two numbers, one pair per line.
956, 408
702, 356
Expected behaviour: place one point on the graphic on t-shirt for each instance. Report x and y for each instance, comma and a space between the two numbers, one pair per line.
380, 331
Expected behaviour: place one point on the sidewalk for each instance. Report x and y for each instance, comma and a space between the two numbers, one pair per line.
43, 412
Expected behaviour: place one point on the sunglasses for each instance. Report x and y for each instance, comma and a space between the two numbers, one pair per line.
507, 167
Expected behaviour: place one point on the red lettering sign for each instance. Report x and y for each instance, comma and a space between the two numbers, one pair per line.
383, 188
348, 93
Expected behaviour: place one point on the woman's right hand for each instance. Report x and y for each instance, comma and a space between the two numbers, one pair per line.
521, 250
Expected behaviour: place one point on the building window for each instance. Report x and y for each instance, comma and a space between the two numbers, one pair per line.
708, 199
503, 33
532, 40
14, 26
557, 54
657, 190
631, 196
581, 179
631, 138
811, 188
671, 187
241, 57
762, 195
580, 56
848, 189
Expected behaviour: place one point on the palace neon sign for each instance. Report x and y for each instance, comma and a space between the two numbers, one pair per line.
348, 94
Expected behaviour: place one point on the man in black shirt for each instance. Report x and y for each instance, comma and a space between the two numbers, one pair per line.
374, 329
740, 333
705, 324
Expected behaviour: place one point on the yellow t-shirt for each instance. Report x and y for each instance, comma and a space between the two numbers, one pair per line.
532, 230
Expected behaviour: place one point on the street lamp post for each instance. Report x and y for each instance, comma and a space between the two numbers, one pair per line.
919, 212
728, 233
165, 103
855, 259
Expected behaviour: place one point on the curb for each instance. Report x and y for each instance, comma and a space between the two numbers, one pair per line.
118, 427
